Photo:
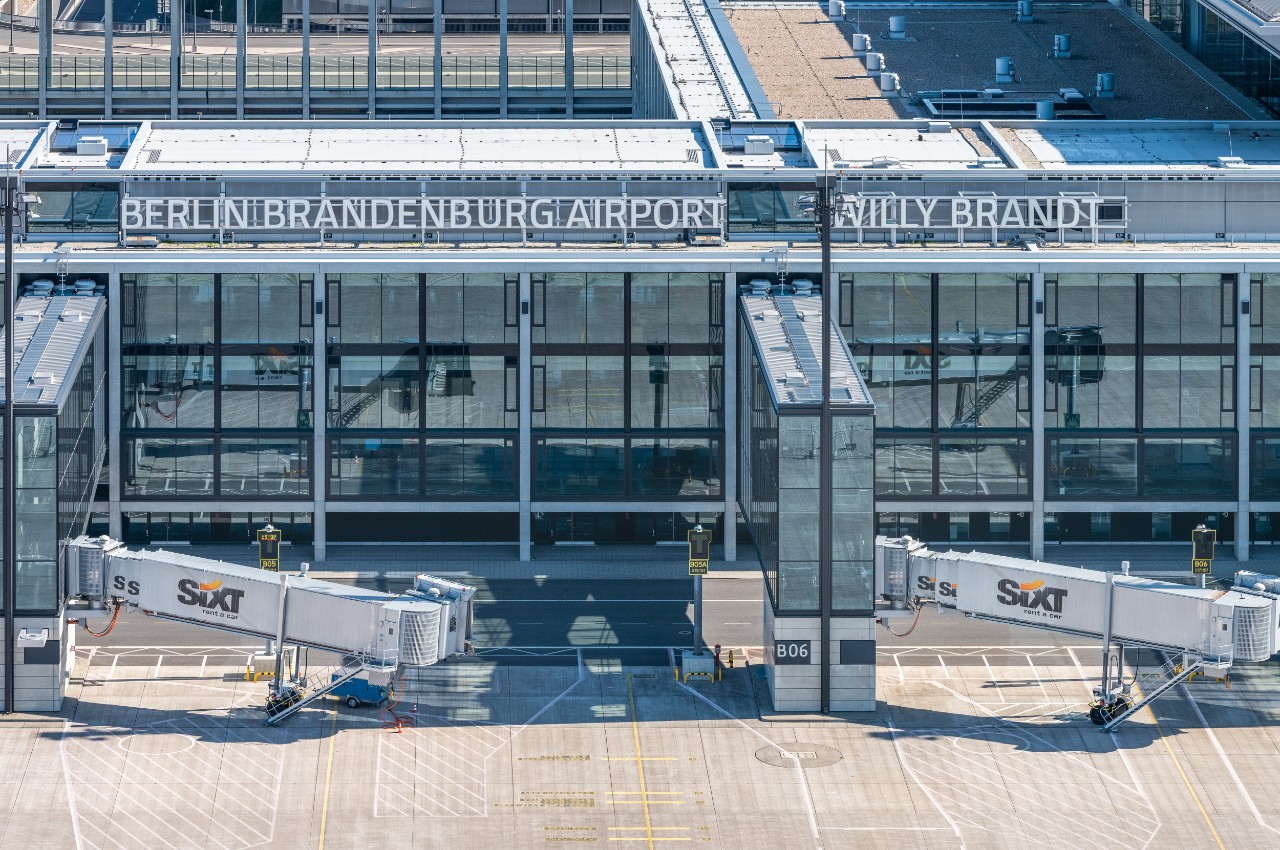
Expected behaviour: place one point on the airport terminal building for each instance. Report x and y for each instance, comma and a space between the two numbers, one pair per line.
533, 332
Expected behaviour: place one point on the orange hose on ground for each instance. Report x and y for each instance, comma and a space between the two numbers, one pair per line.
115, 616
916, 622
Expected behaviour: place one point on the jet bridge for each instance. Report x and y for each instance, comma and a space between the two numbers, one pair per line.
1199, 629
371, 630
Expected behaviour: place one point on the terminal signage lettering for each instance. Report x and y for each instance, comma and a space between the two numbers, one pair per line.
792, 652
269, 548
176, 215
871, 213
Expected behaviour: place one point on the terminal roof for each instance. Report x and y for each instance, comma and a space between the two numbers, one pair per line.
751, 149
50, 338
786, 331
512, 147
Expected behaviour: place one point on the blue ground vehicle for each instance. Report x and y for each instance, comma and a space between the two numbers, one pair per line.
358, 691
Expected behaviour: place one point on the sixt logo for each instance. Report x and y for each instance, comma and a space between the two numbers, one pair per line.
943, 588
1031, 595
211, 596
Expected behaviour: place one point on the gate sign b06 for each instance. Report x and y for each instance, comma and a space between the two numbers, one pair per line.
269, 548
1202, 540
792, 652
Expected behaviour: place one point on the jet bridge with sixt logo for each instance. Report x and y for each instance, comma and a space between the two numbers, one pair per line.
1195, 630
374, 632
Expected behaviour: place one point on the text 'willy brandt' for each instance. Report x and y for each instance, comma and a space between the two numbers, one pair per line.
418, 214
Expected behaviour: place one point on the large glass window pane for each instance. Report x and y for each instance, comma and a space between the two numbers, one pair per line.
982, 466
675, 391
578, 466
161, 466
1189, 467
1101, 466
470, 467
892, 342
265, 467
983, 359
373, 466
443, 298
904, 466
1090, 333
687, 467
374, 391
1265, 469
37, 585
168, 390
577, 391
1185, 387
465, 390
265, 390
379, 308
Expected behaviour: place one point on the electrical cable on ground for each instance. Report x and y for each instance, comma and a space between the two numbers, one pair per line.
397, 721
914, 623
115, 616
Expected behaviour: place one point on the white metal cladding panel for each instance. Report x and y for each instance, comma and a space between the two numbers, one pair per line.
1032, 593
1145, 614
220, 595
319, 615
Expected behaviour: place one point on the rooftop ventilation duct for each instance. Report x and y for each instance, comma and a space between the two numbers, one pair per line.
898, 27
861, 43
1062, 46
759, 286
888, 85
757, 146
803, 286
1026, 12
835, 9
1044, 110
1004, 69
875, 63
1106, 85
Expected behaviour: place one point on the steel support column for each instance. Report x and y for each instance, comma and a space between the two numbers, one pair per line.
1244, 404
729, 466
108, 64
502, 57
437, 58
177, 14
9, 448
44, 25
1038, 444
825, 577
567, 23
242, 52
372, 66
306, 63
115, 410
524, 451
319, 415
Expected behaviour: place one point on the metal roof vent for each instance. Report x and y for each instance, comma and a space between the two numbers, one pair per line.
759, 286
803, 286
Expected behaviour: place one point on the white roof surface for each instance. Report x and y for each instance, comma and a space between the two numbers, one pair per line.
361, 148
17, 140
691, 62
1159, 145
911, 146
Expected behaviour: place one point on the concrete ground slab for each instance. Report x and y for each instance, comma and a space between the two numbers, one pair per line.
973, 746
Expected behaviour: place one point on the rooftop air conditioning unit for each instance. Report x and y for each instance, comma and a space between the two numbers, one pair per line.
757, 146
91, 146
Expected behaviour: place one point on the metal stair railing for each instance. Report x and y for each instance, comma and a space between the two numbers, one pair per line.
1154, 684
289, 699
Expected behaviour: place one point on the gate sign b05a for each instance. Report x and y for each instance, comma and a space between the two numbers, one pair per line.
269, 548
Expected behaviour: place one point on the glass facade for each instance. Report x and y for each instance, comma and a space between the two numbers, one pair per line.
59, 454
422, 385
1243, 62
780, 470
